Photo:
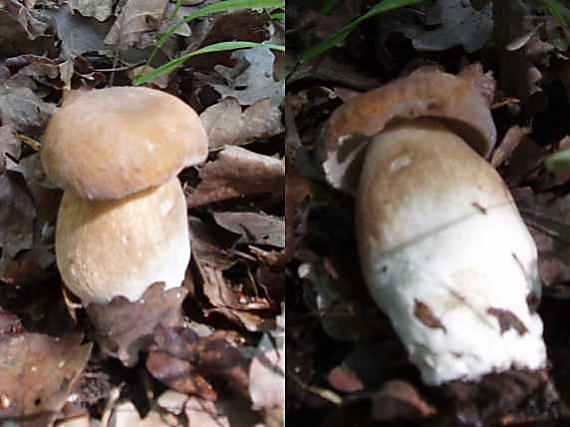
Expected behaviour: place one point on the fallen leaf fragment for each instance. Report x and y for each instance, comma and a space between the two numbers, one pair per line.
17, 214
267, 374
253, 80
37, 373
399, 400
255, 228
510, 142
137, 18
124, 328
99, 9
227, 124
9, 148
458, 24
21, 108
188, 362
179, 375
238, 172
228, 413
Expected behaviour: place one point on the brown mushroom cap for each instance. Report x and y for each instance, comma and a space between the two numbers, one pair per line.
425, 93
109, 143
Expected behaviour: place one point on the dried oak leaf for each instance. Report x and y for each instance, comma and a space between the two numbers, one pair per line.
137, 18
37, 373
215, 357
99, 9
227, 124
238, 172
459, 24
251, 80
256, 228
123, 328
79, 34
179, 375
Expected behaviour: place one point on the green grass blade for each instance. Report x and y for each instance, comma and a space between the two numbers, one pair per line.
328, 7
557, 10
279, 16
222, 6
216, 47
332, 41
558, 162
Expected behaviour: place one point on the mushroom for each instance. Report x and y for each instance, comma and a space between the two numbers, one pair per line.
443, 249
122, 223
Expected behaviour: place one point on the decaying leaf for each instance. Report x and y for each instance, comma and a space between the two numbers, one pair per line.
459, 24
21, 108
238, 172
126, 414
399, 400
267, 374
179, 375
79, 34
187, 362
99, 9
255, 228
137, 18
17, 214
227, 124
124, 328
37, 373
252, 78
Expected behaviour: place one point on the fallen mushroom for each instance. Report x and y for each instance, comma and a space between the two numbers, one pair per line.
122, 224
443, 249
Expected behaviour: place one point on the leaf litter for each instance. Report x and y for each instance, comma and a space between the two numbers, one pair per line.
234, 286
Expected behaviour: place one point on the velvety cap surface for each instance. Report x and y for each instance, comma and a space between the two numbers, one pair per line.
109, 143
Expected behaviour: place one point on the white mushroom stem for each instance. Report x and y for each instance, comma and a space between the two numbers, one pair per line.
120, 247
447, 256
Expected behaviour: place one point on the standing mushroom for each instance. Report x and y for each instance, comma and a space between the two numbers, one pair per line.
443, 249
122, 224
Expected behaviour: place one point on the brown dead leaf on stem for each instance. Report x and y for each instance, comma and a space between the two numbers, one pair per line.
399, 400
227, 124
37, 373
124, 328
227, 413
238, 172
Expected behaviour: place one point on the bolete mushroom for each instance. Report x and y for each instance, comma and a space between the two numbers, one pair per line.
443, 249
122, 223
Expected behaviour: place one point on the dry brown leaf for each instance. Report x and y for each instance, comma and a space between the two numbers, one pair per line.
21, 108
399, 400
37, 373
256, 228
343, 379
238, 172
179, 375
124, 328
99, 9
227, 124
137, 18
17, 214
